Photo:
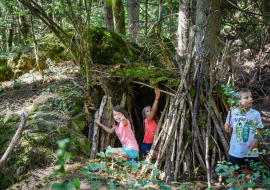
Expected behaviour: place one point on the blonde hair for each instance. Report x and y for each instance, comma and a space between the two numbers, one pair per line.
143, 115
143, 111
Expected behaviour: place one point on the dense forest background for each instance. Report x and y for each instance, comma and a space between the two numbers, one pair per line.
68, 62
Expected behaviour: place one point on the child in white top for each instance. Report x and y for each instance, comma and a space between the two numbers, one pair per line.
243, 133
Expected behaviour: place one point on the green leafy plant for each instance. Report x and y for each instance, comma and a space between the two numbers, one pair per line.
61, 157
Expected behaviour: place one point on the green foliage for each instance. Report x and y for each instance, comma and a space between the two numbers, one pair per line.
201, 123
145, 73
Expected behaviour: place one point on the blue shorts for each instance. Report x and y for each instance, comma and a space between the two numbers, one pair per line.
130, 153
242, 163
146, 147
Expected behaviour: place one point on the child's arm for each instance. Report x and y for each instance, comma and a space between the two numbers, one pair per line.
124, 121
254, 144
107, 129
154, 107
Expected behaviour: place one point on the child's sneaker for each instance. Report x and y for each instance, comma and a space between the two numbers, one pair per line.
132, 161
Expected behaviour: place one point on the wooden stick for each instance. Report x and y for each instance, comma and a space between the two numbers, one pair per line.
15, 138
219, 130
95, 142
180, 140
171, 94
107, 121
213, 160
90, 132
175, 116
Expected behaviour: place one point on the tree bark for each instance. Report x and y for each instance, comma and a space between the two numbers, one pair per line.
95, 141
10, 38
107, 15
24, 28
107, 121
182, 27
133, 7
146, 17
15, 138
36, 49
213, 29
119, 16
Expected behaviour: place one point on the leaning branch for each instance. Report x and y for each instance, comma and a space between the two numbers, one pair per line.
171, 94
15, 138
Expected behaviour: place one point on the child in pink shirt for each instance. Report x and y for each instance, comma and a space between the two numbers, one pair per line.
123, 130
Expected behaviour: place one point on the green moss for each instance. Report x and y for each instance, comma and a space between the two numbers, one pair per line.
78, 123
145, 73
108, 47
192, 91
80, 144
201, 123
5, 72
72, 103
32, 108
11, 118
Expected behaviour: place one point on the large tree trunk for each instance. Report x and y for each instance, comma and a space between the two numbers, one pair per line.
4, 39
10, 37
133, 7
213, 29
119, 16
107, 15
182, 27
265, 10
36, 48
24, 28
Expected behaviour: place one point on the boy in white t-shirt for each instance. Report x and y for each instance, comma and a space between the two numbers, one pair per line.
243, 134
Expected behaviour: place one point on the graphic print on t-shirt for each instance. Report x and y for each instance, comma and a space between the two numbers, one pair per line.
239, 131
242, 132
245, 133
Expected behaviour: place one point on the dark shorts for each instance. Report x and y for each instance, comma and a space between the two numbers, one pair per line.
243, 163
146, 147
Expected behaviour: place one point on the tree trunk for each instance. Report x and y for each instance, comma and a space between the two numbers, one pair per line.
4, 39
146, 17
23, 25
212, 32
160, 14
265, 10
119, 16
107, 15
10, 38
36, 48
133, 7
182, 27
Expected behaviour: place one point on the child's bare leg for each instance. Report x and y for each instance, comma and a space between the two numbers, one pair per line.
115, 152
234, 175
247, 175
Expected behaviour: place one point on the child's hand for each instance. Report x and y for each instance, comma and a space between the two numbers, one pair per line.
254, 144
228, 127
123, 118
97, 121
157, 92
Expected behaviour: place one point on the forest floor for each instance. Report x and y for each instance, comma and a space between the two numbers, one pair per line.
13, 98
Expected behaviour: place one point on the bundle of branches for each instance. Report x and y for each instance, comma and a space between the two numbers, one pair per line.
192, 134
